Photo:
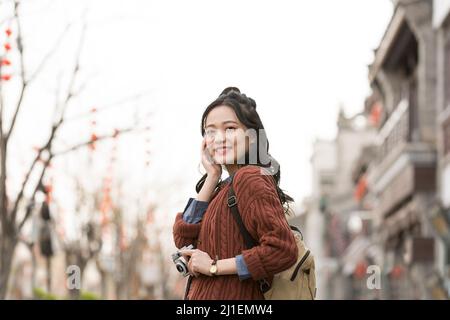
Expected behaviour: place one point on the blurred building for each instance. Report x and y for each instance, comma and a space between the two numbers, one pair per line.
344, 241
323, 162
332, 207
389, 204
402, 177
441, 214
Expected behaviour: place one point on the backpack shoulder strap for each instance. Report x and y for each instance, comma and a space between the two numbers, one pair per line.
250, 242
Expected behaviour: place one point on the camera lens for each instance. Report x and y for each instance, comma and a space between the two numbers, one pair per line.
180, 268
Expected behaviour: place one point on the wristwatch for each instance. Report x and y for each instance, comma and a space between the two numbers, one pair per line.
213, 268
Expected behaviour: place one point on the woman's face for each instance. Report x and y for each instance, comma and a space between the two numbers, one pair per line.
225, 135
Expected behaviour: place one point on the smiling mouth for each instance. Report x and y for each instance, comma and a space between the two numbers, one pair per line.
222, 150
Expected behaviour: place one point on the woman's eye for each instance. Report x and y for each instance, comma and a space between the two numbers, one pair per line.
230, 129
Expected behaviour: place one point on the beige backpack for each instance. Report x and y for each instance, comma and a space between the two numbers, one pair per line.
296, 283
299, 281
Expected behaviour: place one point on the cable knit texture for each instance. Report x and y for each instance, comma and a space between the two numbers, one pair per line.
218, 233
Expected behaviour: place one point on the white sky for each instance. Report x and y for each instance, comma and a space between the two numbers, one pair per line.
299, 60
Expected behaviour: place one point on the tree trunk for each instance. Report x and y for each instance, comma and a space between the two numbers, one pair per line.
49, 274
103, 279
7, 247
104, 290
33, 270
74, 257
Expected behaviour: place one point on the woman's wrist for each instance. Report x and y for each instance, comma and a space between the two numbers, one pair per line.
212, 178
226, 266
208, 188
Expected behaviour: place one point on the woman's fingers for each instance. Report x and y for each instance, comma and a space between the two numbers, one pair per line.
205, 156
204, 147
191, 268
208, 161
187, 252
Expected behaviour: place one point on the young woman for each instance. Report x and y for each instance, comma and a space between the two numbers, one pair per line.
220, 266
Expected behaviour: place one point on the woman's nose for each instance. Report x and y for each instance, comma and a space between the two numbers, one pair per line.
219, 136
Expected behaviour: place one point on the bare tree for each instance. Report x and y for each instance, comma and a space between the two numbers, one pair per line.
12, 216
128, 258
81, 250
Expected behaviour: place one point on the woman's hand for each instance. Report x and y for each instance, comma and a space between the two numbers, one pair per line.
212, 169
199, 261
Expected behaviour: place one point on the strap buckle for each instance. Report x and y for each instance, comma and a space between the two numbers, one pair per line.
264, 285
232, 201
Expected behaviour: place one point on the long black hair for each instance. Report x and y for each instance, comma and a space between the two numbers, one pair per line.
245, 109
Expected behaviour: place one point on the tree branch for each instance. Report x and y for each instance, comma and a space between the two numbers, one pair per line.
28, 212
54, 129
22, 71
53, 155
86, 143
1, 104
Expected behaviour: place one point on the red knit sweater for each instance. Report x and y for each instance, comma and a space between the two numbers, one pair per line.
218, 233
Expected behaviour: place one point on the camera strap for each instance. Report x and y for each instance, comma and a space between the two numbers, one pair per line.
188, 286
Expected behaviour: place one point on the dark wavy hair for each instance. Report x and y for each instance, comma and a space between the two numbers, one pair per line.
245, 109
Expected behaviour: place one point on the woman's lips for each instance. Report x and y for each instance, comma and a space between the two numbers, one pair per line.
222, 150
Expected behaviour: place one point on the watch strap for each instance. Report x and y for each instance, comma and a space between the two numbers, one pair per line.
214, 263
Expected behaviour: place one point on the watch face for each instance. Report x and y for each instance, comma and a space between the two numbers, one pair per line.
213, 269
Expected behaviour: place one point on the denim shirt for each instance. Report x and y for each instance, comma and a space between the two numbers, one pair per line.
193, 213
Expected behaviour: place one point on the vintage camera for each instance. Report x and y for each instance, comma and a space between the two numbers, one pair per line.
180, 261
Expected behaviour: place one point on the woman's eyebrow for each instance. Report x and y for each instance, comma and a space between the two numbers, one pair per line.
227, 121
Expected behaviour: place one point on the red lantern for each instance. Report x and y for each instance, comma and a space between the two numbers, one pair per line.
397, 271
6, 62
8, 32
6, 77
361, 188
375, 114
7, 46
92, 142
48, 193
360, 270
